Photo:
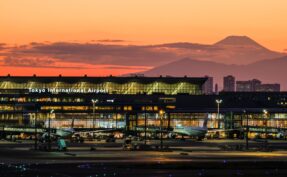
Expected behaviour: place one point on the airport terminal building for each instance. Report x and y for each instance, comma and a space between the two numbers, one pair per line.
131, 102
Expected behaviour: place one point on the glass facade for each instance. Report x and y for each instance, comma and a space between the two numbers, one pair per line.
23, 99
128, 102
103, 85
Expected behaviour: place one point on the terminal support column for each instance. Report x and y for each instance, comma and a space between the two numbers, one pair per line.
127, 118
168, 121
36, 138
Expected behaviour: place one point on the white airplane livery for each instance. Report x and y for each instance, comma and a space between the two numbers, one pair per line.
195, 132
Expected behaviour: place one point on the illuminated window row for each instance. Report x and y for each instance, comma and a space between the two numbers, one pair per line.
270, 123
149, 108
27, 99
112, 88
85, 108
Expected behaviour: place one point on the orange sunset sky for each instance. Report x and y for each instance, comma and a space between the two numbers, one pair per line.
137, 22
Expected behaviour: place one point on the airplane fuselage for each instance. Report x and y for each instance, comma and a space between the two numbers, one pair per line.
198, 132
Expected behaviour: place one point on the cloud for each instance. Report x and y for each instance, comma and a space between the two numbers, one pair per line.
36, 63
55, 63
127, 67
191, 46
128, 55
37, 43
28, 62
111, 40
2, 46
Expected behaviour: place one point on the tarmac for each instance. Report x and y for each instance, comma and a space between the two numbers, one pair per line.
187, 158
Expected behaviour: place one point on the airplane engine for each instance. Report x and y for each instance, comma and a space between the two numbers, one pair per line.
171, 135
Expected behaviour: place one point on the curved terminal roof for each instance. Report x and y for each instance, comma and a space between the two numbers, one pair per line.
72, 79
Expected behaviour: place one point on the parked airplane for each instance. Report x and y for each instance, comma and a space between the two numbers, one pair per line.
59, 132
194, 132
103, 134
54, 132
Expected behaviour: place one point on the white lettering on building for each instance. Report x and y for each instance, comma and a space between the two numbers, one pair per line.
67, 90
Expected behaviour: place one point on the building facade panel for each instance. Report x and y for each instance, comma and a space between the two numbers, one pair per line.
128, 103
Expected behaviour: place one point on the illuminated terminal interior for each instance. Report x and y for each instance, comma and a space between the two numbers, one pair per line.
110, 85
126, 102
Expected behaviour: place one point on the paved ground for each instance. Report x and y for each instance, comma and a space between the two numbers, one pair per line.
186, 158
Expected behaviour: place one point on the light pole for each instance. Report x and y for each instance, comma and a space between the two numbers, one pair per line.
218, 101
145, 126
247, 130
94, 103
49, 129
116, 120
36, 138
265, 112
161, 113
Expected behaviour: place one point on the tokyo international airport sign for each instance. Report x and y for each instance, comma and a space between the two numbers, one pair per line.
66, 90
